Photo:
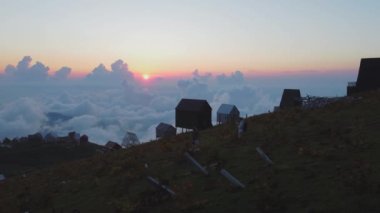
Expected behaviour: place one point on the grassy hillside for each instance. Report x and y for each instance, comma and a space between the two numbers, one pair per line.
27, 156
325, 160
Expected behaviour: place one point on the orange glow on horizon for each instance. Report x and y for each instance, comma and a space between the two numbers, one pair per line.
172, 70
145, 76
188, 73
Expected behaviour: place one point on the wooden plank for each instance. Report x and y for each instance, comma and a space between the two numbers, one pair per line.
195, 163
264, 156
159, 185
231, 178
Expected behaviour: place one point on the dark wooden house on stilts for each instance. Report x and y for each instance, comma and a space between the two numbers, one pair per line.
368, 76
193, 113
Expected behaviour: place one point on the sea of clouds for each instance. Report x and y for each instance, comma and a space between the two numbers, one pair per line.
108, 102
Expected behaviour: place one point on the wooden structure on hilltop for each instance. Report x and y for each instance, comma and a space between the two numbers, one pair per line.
193, 113
130, 139
51, 137
227, 112
290, 98
165, 130
112, 145
368, 76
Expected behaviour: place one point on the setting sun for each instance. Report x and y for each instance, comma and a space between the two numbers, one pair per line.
146, 77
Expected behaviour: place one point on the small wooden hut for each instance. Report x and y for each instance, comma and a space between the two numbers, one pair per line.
227, 112
193, 113
290, 98
165, 130
112, 145
130, 139
368, 76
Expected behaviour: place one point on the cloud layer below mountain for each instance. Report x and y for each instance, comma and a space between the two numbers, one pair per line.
107, 103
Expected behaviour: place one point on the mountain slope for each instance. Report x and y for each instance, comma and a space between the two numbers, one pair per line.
30, 155
325, 160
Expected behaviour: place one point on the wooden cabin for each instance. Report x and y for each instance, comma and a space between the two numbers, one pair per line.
165, 130
193, 113
290, 98
368, 76
227, 112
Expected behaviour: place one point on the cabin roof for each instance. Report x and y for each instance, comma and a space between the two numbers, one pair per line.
226, 108
164, 127
192, 105
111, 144
131, 134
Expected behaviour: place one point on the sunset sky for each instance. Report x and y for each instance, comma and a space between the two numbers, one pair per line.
119, 65
172, 36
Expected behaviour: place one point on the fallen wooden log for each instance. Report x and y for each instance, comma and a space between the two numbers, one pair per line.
231, 178
195, 163
159, 185
264, 156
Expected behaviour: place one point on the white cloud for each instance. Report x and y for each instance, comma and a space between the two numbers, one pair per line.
163, 103
83, 108
196, 87
23, 70
197, 76
120, 69
81, 123
219, 99
107, 110
62, 74
119, 74
235, 78
21, 117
